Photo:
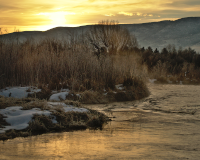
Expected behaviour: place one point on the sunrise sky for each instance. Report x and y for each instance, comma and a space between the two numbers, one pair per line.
45, 14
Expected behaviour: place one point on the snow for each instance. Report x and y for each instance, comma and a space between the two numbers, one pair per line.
62, 95
67, 108
19, 119
152, 80
75, 109
53, 104
22, 92
18, 92
59, 96
120, 86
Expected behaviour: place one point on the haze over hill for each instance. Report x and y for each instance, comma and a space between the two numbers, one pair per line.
183, 33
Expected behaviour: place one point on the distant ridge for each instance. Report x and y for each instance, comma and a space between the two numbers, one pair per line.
184, 32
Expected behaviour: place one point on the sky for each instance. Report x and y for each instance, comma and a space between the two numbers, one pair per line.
29, 15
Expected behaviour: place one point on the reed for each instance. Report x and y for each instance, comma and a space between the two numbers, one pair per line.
54, 65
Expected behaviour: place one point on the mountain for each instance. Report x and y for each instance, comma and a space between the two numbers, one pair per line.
184, 32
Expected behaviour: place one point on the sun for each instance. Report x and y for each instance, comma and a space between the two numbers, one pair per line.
57, 18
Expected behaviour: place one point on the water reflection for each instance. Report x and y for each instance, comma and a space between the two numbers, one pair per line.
134, 133
127, 141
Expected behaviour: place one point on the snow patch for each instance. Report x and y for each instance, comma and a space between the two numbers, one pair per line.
19, 119
152, 80
18, 92
120, 86
59, 96
67, 108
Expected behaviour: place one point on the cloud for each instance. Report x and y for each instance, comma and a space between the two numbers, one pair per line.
56, 13
37, 12
126, 13
109, 15
24, 21
182, 3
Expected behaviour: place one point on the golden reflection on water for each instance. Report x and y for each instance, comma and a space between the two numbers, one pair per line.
124, 142
133, 134
121, 142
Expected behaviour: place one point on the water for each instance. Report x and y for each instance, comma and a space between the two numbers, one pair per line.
166, 125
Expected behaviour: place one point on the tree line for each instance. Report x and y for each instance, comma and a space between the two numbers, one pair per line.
176, 62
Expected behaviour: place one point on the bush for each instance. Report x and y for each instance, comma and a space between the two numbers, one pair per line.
53, 64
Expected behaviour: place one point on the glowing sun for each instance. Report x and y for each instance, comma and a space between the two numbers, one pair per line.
58, 18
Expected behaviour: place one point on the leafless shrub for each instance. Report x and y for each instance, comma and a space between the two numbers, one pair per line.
54, 64
108, 37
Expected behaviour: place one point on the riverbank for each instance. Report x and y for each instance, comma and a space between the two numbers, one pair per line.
164, 125
33, 117
22, 115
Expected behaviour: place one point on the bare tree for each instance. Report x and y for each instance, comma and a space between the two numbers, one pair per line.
110, 35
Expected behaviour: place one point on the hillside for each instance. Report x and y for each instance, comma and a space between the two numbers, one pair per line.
183, 33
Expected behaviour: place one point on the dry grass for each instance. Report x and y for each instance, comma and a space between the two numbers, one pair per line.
67, 121
2, 121
42, 104
45, 93
188, 74
93, 97
7, 102
74, 103
134, 89
53, 64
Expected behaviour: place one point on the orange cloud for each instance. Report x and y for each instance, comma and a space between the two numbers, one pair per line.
126, 13
29, 13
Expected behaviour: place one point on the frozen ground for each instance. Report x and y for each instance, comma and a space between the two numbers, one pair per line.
23, 92
18, 92
19, 118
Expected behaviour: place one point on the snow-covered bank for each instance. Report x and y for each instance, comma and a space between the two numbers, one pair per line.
24, 92
59, 96
29, 115
55, 95
67, 108
18, 92
19, 119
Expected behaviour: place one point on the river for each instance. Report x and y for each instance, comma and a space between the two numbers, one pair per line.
165, 125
